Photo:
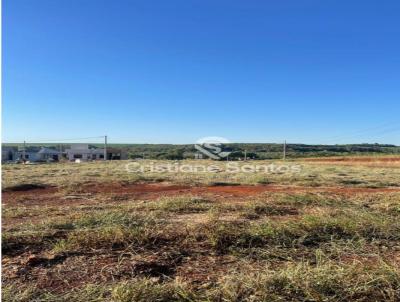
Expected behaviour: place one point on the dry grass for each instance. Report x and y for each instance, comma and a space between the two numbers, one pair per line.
70, 176
269, 246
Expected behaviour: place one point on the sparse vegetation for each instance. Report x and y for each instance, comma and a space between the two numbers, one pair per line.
97, 233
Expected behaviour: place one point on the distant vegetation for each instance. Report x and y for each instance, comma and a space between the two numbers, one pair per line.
254, 150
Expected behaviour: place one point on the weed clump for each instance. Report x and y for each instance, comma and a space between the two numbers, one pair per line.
325, 281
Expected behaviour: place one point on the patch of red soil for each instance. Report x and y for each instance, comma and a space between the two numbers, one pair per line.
197, 273
88, 193
240, 191
157, 190
119, 188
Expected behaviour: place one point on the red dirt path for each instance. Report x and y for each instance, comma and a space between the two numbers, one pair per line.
49, 195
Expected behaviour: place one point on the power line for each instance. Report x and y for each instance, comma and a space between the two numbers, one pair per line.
377, 127
67, 139
382, 129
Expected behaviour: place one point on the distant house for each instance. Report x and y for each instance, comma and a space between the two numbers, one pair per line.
29, 154
46, 154
37, 154
76, 151
8, 154
84, 153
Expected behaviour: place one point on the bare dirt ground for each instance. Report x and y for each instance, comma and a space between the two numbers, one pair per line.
51, 195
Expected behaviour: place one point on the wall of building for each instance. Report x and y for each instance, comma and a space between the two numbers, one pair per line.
84, 154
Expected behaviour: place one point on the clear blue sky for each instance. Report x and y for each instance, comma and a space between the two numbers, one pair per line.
174, 71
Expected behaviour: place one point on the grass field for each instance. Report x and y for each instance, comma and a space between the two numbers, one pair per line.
94, 232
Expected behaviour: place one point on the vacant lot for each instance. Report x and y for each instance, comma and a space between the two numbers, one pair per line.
94, 232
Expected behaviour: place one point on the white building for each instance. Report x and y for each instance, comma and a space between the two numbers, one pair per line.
38, 154
28, 154
84, 153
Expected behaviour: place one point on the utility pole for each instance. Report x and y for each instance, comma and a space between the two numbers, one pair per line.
245, 155
23, 152
284, 150
105, 147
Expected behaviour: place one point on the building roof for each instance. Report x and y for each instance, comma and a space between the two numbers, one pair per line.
48, 151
